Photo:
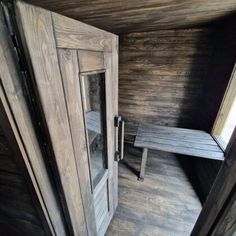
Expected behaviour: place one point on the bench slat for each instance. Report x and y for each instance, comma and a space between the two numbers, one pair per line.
179, 143
175, 137
178, 140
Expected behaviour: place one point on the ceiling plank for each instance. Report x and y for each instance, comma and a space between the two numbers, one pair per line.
138, 15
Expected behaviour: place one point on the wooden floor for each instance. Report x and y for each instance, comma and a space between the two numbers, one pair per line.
165, 204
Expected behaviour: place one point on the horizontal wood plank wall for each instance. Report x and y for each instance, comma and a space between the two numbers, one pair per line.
221, 66
161, 77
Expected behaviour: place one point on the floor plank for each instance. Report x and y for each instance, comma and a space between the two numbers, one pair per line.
165, 204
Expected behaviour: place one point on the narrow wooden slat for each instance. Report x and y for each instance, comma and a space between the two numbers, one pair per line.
38, 33
70, 76
181, 137
93, 121
114, 75
110, 127
170, 140
181, 150
101, 205
175, 129
175, 134
179, 143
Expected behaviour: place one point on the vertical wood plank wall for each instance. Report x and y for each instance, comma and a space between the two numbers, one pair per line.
161, 77
176, 78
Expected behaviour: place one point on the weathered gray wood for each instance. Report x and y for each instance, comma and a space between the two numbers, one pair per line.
90, 60
25, 134
223, 186
20, 211
93, 121
178, 142
70, 76
101, 202
39, 38
143, 164
221, 65
156, 206
141, 15
168, 68
226, 225
114, 75
170, 140
110, 129
47, 38
72, 34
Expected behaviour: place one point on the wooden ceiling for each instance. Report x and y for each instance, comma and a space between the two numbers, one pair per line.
122, 16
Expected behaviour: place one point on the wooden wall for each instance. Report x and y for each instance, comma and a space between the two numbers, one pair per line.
177, 78
18, 214
161, 76
218, 75
139, 15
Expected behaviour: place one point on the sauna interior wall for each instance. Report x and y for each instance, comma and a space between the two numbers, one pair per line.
18, 212
161, 77
218, 74
176, 78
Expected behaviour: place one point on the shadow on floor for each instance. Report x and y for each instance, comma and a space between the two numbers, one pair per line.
165, 204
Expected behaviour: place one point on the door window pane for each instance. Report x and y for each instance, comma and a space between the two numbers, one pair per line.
93, 89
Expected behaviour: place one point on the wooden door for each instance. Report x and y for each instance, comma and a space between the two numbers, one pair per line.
74, 72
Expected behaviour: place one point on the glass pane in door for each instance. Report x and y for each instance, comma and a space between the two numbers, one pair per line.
93, 90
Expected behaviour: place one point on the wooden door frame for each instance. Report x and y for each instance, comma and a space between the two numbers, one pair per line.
220, 201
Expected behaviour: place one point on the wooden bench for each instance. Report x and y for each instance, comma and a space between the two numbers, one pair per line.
190, 142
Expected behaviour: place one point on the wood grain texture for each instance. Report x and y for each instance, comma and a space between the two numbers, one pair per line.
226, 105
48, 39
25, 134
143, 164
170, 139
138, 15
221, 65
90, 60
155, 206
71, 82
115, 79
161, 77
223, 187
219, 72
39, 38
226, 225
110, 131
72, 34
20, 210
